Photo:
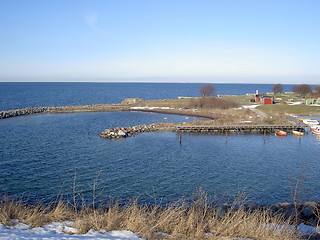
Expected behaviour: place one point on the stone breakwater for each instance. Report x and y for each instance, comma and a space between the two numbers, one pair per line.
64, 109
90, 108
22, 112
123, 132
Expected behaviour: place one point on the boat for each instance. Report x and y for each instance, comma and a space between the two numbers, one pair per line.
315, 130
303, 119
311, 122
281, 133
297, 133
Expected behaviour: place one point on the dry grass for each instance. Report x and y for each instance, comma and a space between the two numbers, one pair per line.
173, 103
212, 103
287, 109
204, 102
197, 219
229, 117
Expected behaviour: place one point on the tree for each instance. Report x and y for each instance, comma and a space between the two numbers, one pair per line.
207, 90
316, 91
277, 88
302, 89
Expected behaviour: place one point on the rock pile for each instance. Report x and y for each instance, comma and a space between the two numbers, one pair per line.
21, 112
121, 132
307, 213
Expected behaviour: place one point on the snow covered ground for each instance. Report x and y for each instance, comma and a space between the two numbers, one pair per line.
294, 103
62, 230
150, 108
249, 106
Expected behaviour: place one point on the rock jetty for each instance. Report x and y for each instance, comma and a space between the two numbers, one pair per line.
123, 132
64, 109
24, 111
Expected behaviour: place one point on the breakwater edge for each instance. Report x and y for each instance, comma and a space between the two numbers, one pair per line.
123, 132
64, 109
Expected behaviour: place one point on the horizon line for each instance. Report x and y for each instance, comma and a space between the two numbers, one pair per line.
154, 82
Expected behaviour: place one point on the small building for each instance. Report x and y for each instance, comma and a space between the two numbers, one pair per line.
312, 101
267, 100
263, 99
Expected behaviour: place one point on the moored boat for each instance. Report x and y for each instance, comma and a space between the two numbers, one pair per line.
303, 119
315, 129
297, 133
281, 133
311, 122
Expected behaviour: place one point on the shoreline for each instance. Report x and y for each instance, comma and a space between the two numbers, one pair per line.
95, 108
193, 219
224, 116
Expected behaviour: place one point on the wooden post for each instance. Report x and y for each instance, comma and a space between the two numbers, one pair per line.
264, 136
226, 136
180, 137
299, 139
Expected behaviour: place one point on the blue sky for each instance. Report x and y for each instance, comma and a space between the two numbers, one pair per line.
160, 40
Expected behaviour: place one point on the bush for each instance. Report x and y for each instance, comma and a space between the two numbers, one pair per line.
211, 103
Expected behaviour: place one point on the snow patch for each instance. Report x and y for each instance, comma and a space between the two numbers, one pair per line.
60, 230
302, 228
249, 106
150, 108
294, 103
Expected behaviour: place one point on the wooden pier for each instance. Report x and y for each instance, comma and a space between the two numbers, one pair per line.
238, 128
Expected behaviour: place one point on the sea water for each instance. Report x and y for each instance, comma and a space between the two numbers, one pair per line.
22, 95
42, 156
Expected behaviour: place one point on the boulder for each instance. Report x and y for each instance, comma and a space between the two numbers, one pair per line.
121, 133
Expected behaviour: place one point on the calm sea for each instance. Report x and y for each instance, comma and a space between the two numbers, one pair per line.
22, 95
40, 155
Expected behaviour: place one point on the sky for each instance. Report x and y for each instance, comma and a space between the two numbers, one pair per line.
249, 41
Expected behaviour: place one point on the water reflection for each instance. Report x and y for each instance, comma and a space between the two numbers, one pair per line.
316, 137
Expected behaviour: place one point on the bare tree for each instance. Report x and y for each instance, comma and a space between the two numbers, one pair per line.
302, 89
316, 91
207, 90
277, 88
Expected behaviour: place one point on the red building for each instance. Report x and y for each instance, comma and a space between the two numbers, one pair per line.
267, 100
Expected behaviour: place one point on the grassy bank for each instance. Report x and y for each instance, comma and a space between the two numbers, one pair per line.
219, 111
224, 110
198, 219
283, 109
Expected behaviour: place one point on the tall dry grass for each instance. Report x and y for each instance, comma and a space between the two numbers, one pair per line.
212, 103
198, 219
